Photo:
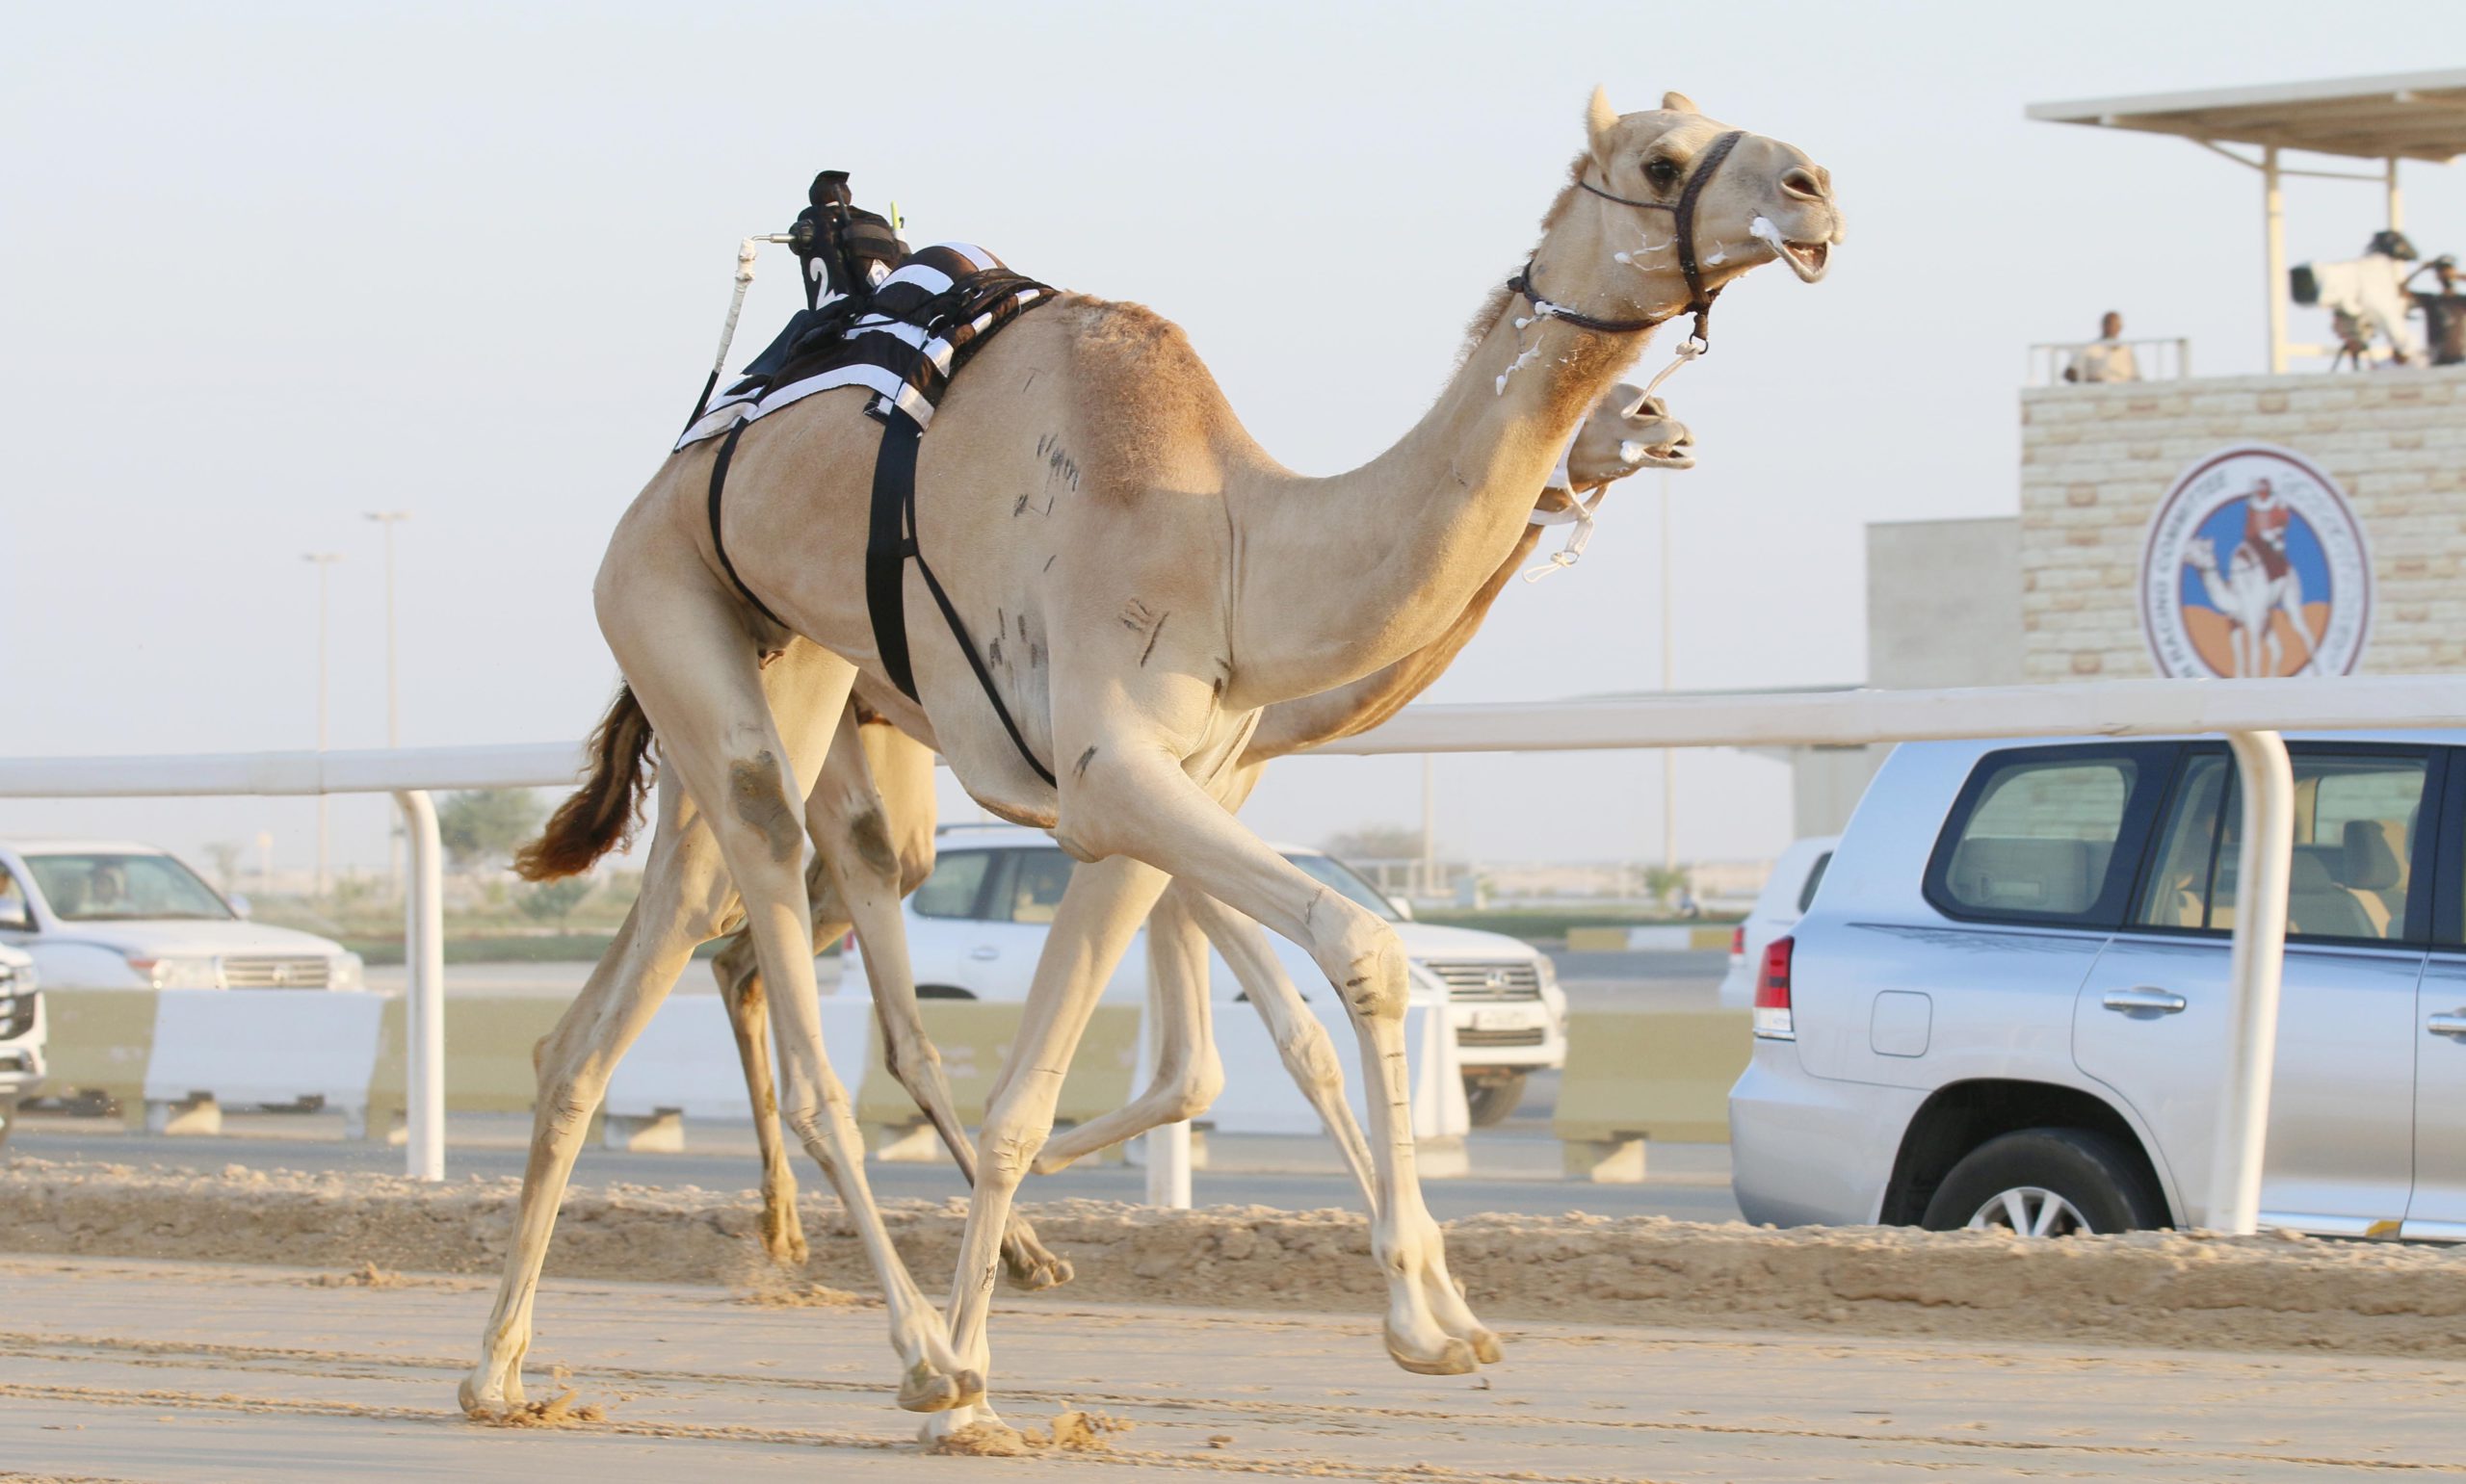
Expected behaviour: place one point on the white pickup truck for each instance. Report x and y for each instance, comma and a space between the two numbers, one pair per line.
104, 913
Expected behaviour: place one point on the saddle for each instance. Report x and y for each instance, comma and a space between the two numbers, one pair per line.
899, 324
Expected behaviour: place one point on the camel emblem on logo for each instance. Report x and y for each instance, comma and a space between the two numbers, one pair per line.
2292, 594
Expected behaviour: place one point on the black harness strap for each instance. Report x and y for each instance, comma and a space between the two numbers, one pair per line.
719, 483
1699, 303
889, 546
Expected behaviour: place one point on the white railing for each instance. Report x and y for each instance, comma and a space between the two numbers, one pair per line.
2169, 359
2251, 713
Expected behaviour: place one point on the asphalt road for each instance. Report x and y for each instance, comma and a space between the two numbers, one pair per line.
178, 1372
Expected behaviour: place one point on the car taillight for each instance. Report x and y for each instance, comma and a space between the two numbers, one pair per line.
1773, 994
1738, 941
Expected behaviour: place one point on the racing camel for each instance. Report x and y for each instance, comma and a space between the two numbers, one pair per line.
880, 794
1178, 582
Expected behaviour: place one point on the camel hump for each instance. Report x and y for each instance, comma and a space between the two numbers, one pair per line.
1154, 399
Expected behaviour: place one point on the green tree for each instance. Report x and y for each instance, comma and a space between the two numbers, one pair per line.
554, 900
1663, 882
483, 827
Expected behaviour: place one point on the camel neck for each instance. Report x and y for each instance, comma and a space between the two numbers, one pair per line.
1385, 559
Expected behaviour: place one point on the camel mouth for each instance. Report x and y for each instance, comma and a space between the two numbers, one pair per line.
1668, 456
1809, 260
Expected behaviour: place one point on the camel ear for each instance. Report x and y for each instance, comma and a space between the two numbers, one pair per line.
1599, 118
1678, 103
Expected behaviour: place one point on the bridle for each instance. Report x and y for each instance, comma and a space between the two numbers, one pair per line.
1699, 299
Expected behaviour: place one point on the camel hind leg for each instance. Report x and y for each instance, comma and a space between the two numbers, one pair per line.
740, 980
682, 645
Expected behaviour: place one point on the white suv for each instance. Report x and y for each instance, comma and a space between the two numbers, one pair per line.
103, 914
976, 927
21, 1036
2009, 1005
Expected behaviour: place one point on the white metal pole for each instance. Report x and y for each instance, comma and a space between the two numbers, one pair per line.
1430, 826
386, 521
1168, 1147
424, 951
322, 561
1668, 646
2265, 866
2397, 202
2273, 214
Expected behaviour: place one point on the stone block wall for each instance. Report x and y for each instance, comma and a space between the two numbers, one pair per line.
2095, 461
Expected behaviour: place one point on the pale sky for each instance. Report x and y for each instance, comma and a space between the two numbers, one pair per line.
269, 267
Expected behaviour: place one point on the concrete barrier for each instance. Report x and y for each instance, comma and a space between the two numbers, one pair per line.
102, 1040
685, 1065
973, 1036
250, 1046
488, 1056
1634, 1076
1656, 939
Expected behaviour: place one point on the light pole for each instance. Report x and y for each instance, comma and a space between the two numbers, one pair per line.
387, 520
323, 562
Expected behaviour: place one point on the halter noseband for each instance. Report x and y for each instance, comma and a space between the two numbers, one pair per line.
1699, 303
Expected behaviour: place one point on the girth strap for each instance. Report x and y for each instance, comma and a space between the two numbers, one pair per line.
889, 546
719, 483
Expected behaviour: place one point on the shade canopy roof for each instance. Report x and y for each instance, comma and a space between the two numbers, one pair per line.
2412, 115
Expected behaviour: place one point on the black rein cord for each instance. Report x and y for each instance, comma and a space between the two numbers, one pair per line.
1699, 303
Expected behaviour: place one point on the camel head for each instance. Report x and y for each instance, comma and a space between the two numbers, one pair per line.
2200, 554
1755, 201
1628, 431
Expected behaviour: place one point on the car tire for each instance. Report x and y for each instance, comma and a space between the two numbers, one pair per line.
1491, 1099
943, 992
2046, 1181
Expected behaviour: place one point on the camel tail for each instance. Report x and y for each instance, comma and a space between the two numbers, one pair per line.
603, 812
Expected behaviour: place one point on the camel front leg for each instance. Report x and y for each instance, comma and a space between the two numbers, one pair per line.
1099, 913
1188, 1074
1132, 798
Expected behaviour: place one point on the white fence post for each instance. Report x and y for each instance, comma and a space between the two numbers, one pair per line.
1167, 1146
2266, 867
424, 956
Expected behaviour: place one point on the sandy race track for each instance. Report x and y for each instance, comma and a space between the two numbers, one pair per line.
172, 1371
167, 1325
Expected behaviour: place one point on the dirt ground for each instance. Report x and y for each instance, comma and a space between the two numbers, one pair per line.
119, 1370
2148, 1289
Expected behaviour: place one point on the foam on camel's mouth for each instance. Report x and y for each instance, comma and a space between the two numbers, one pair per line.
1806, 259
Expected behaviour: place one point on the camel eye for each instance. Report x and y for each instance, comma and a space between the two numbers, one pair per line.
1661, 172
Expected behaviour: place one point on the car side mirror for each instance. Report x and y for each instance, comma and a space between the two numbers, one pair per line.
239, 905
1403, 909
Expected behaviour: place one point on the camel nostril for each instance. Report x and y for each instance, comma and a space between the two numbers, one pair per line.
1807, 183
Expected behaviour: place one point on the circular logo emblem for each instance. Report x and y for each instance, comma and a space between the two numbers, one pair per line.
2254, 565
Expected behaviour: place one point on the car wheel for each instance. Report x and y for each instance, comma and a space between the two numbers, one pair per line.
942, 992
2045, 1183
1493, 1097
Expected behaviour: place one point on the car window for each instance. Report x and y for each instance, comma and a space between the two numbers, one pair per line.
950, 891
15, 910
1033, 890
2354, 845
1815, 878
1347, 881
2034, 836
93, 888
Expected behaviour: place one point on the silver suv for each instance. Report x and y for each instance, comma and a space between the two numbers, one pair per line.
2006, 1005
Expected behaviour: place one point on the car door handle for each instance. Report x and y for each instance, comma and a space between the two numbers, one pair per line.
2453, 1023
2143, 998
984, 951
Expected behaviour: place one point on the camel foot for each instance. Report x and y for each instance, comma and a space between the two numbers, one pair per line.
1485, 1348
1454, 1358
1026, 1264
925, 1389
971, 1429
785, 1249
478, 1395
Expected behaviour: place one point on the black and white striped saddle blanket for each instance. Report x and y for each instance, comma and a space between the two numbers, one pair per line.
904, 343
919, 326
